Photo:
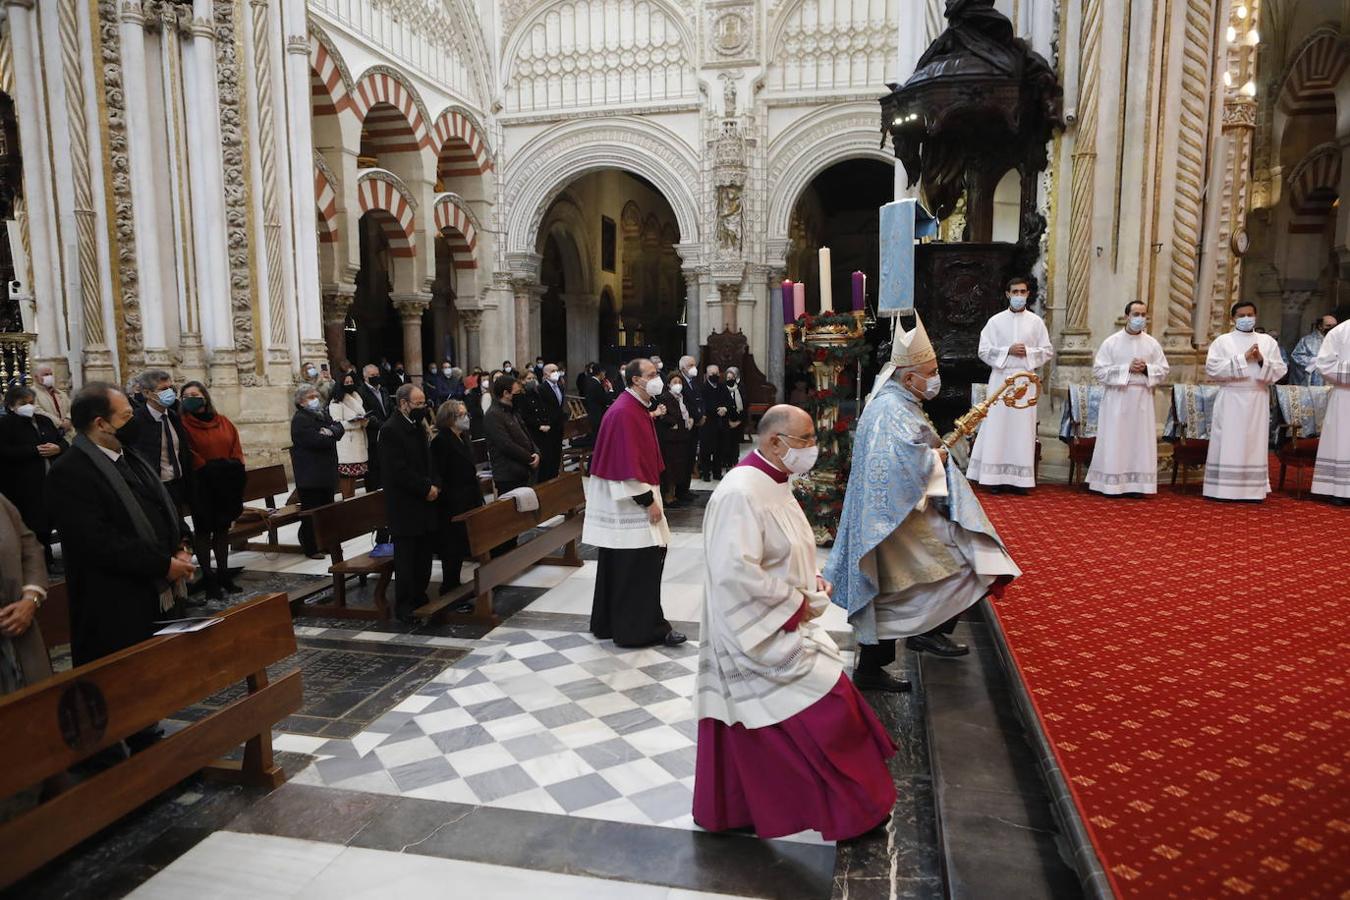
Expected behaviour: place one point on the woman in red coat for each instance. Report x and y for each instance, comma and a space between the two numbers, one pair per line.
218, 464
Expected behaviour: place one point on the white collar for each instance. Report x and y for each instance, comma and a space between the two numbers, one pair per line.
157, 413
114, 455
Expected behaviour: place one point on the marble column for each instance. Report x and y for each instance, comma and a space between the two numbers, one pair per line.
337, 302
775, 341
410, 308
728, 294
527, 293
472, 319
144, 187
693, 309
44, 260
304, 214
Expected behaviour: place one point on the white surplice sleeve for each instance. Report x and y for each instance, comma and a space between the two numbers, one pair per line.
993, 350
1105, 368
1223, 364
1042, 351
1158, 367
1273, 366
1333, 360
733, 540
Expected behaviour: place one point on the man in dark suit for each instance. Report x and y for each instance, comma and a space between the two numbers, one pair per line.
411, 488
379, 406
156, 433
123, 542
314, 459
546, 415
716, 408
693, 400
396, 378
515, 459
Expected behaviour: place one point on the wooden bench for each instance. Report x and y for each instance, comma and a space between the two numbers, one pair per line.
339, 522
54, 616
52, 725
498, 522
265, 484
578, 425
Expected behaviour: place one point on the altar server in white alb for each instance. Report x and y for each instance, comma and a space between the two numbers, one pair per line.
1245, 364
1014, 340
1129, 364
785, 741
1331, 476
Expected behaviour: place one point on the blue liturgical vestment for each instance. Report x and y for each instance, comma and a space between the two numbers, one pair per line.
892, 460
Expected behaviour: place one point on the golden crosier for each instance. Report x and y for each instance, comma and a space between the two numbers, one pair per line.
1013, 392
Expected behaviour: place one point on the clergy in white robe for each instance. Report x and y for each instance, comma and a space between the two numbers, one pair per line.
785, 741
1129, 364
1301, 368
1331, 475
1245, 364
625, 519
1014, 340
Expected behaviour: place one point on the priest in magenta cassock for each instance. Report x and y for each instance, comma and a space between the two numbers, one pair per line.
1245, 364
785, 742
1014, 340
1331, 475
1129, 364
914, 548
624, 518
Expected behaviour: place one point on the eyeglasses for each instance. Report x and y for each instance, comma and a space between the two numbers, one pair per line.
809, 439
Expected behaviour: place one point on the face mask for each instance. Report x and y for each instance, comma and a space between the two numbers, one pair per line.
714, 379
1136, 324
677, 389
731, 382
417, 413
653, 386
800, 460
373, 382
167, 397
508, 369
931, 387
311, 372
554, 376
194, 404
433, 370
692, 371
1246, 323
313, 404
48, 380
26, 410
1017, 304
462, 423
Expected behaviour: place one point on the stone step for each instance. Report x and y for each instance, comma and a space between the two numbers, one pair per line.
996, 830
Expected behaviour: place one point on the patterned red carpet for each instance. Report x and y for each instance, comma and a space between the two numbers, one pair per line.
1190, 663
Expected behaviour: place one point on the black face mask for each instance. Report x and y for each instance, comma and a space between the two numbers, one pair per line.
417, 413
373, 382
731, 382
713, 379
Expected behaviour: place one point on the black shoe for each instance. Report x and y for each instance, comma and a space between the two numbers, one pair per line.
231, 586
686, 498
881, 680
214, 592
936, 644
674, 638
1019, 491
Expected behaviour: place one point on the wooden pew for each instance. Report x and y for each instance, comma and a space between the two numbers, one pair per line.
265, 484
53, 725
54, 616
578, 425
498, 522
339, 522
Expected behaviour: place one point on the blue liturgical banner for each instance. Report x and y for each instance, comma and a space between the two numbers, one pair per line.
901, 223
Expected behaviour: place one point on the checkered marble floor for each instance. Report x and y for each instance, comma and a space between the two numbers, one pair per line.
553, 722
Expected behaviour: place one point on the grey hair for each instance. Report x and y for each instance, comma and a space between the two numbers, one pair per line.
150, 379
685, 361
405, 391
774, 421
304, 391
448, 412
456, 372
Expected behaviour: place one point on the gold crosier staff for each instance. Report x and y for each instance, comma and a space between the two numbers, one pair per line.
1013, 392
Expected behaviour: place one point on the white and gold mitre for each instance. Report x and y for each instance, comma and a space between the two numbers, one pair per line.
911, 348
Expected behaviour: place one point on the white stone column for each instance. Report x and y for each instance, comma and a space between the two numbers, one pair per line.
300, 142
144, 186
208, 191
583, 336
43, 235
691, 258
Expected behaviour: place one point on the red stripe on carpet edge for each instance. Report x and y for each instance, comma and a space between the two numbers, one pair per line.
1208, 609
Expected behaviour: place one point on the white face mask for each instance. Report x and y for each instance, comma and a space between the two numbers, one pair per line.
677, 389
1246, 323
931, 387
1136, 324
692, 371
1017, 304
433, 370
311, 371
462, 423
653, 386
800, 460
48, 380
313, 404
554, 376
26, 410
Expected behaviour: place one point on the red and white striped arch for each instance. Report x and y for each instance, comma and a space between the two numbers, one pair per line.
453, 222
381, 87
325, 195
375, 195
460, 148
328, 91
1314, 186
1310, 86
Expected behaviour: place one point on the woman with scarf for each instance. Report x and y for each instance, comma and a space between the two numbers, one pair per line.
452, 455
673, 431
353, 450
218, 486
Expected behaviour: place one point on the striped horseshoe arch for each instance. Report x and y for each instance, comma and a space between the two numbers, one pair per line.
382, 88
460, 147
326, 198
376, 195
454, 224
1313, 188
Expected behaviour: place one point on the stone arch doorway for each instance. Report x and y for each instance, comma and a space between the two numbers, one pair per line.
612, 234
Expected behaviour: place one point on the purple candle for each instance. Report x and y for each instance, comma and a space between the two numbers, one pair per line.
788, 317
859, 291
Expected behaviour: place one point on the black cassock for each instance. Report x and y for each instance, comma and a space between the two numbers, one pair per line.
627, 604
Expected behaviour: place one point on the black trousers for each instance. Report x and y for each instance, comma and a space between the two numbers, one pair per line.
679, 467
550, 452
730, 440
627, 601
710, 450
311, 498
452, 548
413, 554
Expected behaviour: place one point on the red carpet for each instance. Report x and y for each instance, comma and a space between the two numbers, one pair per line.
1190, 664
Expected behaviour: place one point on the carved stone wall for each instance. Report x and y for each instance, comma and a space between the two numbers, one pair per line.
127, 287
835, 46
232, 119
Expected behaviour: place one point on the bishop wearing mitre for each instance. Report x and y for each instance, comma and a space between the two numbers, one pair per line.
1331, 475
914, 548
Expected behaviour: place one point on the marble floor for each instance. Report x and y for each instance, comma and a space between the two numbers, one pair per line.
526, 759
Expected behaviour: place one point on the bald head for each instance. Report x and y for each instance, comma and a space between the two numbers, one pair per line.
784, 427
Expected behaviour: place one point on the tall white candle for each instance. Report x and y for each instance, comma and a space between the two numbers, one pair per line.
826, 291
